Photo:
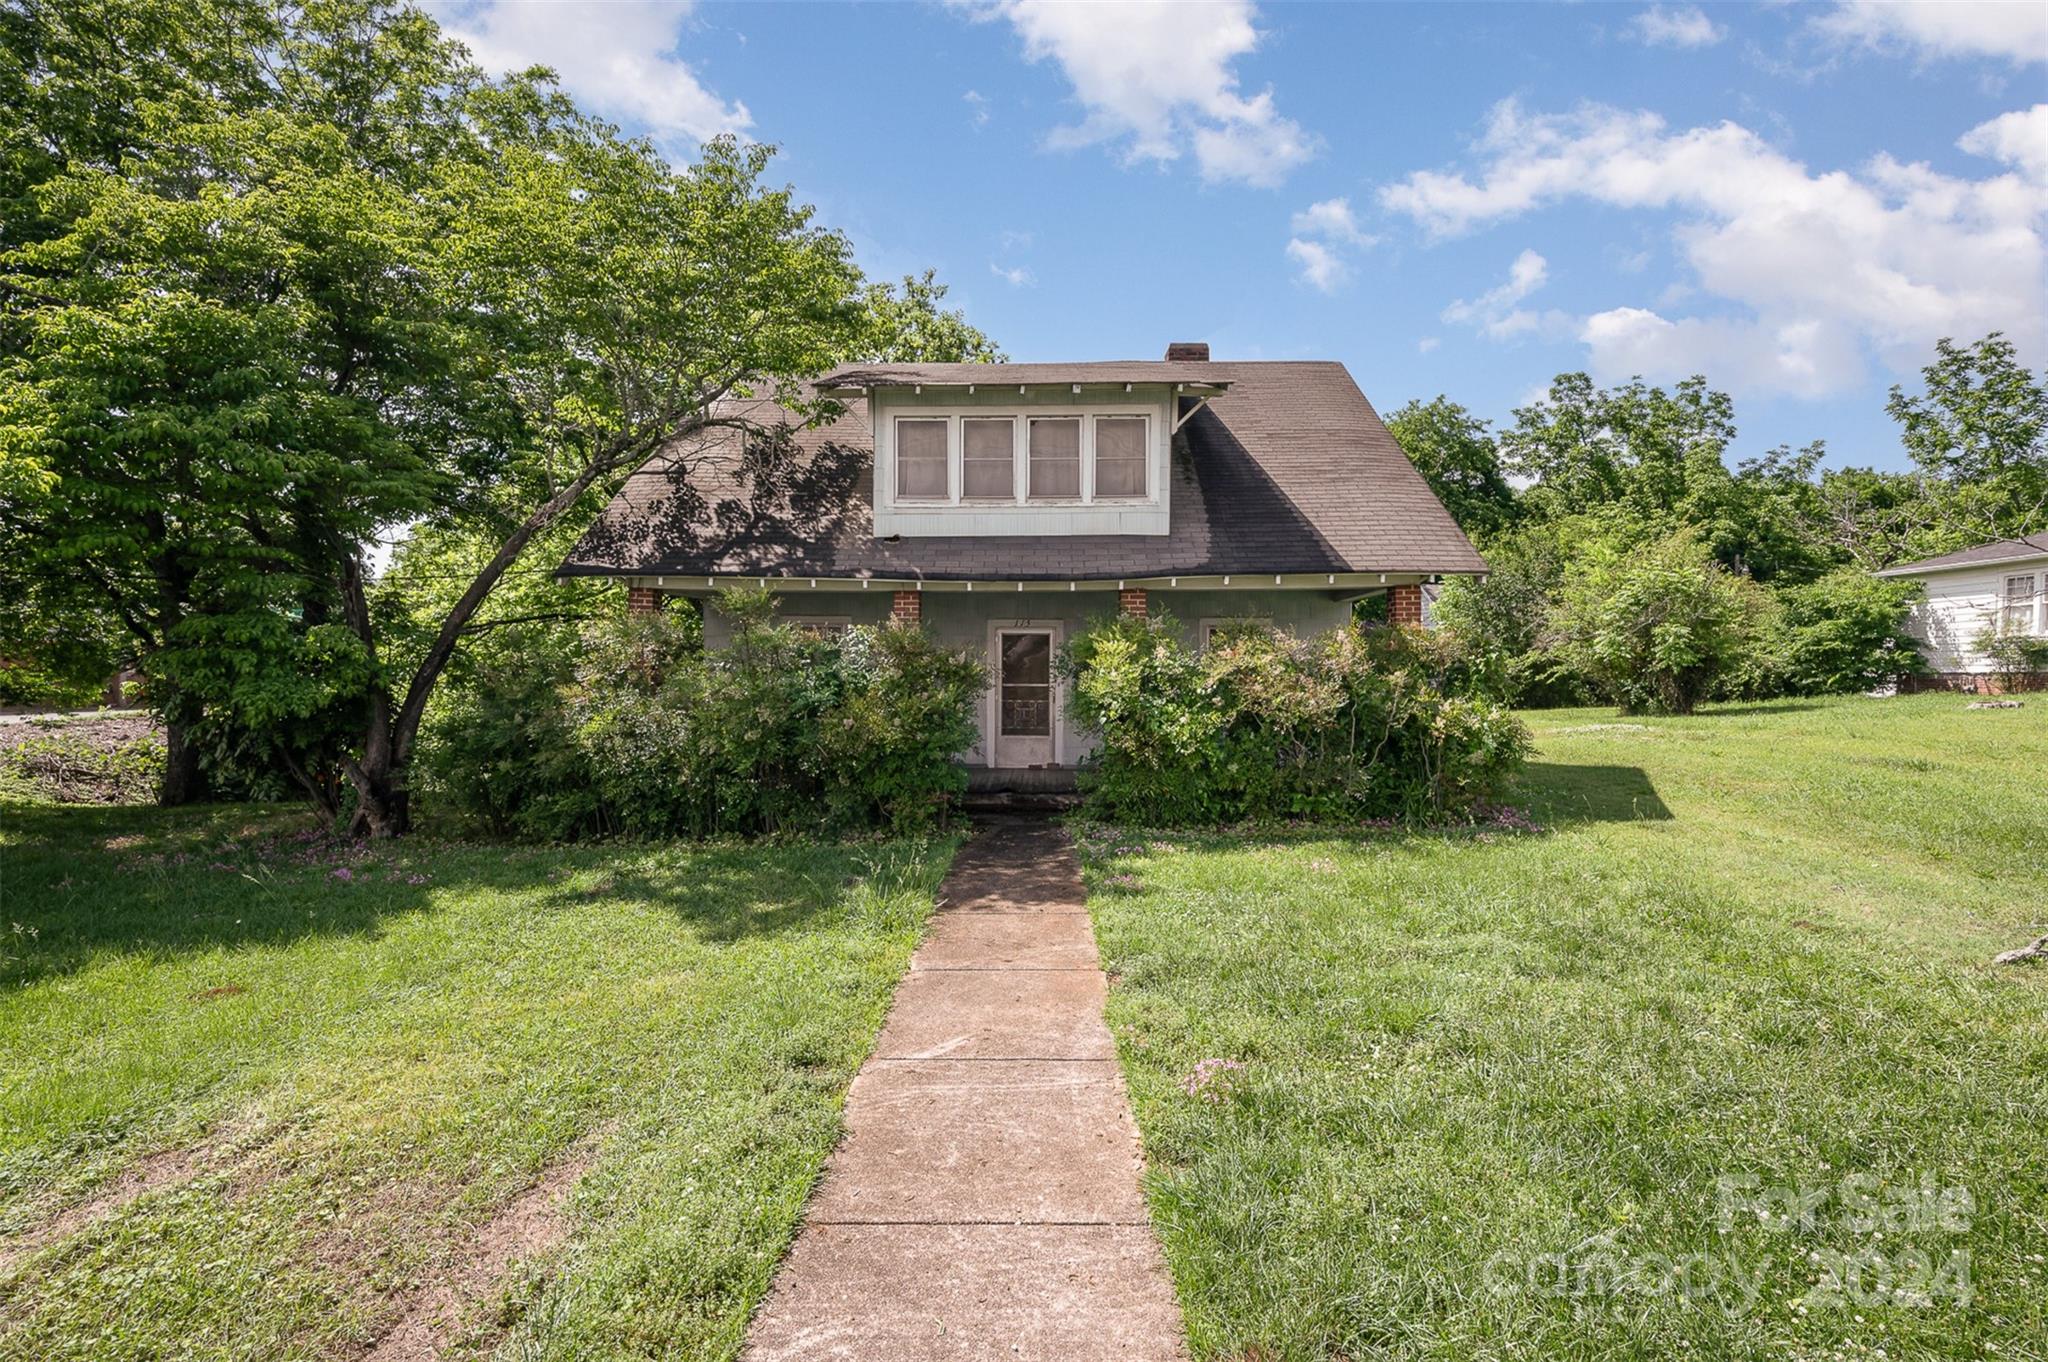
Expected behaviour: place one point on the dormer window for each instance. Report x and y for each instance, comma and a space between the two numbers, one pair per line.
971, 452
988, 459
1055, 458
1024, 460
921, 460
1120, 456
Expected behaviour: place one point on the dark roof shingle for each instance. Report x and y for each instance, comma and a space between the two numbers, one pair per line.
1289, 470
1997, 551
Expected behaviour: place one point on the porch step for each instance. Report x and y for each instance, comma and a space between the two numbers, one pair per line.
1020, 780
1019, 801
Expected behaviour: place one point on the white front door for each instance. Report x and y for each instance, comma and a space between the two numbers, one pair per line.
1025, 697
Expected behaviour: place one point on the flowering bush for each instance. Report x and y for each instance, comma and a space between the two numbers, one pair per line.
1351, 724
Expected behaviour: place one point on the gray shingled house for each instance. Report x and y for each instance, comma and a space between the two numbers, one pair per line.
1006, 505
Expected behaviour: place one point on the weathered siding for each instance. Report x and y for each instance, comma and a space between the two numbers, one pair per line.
1960, 604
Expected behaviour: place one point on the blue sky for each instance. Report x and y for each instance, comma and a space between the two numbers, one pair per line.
1796, 200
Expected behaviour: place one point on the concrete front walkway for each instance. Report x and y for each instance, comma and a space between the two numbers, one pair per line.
985, 1201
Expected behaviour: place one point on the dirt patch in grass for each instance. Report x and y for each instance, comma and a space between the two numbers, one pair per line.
531, 1224
155, 1173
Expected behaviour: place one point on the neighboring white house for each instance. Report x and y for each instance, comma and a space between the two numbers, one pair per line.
2003, 585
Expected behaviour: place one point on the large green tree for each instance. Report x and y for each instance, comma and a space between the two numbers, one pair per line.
285, 318
1979, 436
1457, 456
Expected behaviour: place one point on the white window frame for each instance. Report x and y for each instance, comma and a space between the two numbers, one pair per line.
1020, 458
2032, 603
1084, 459
1145, 497
952, 429
1087, 415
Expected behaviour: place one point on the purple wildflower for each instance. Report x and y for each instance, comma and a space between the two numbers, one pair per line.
1213, 1080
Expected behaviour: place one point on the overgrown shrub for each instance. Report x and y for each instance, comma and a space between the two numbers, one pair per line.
1349, 724
643, 731
1660, 626
2018, 661
1846, 632
906, 710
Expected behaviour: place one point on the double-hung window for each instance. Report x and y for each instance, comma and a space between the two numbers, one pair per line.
1119, 457
988, 459
922, 460
1055, 458
2019, 609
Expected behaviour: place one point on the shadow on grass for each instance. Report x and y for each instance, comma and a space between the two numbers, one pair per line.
1559, 794
83, 883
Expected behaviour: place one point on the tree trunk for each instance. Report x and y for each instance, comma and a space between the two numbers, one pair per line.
181, 782
383, 804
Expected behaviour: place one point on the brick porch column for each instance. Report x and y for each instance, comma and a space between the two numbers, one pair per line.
907, 608
642, 600
1404, 605
1132, 601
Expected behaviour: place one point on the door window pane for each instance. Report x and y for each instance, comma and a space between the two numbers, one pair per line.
988, 459
1056, 458
921, 460
1120, 456
1027, 686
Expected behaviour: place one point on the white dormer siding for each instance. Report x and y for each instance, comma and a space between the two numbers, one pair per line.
940, 467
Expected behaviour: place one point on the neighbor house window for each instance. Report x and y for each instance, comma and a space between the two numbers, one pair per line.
2018, 615
921, 460
1056, 458
1120, 456
988, 459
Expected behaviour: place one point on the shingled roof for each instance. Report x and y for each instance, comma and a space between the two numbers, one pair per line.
1287, 470
1980, 555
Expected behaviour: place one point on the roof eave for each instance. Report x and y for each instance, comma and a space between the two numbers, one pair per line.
1934, 565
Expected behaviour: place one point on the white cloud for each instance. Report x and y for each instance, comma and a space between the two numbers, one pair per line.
2017, 31
1018, 277
1495, 312
977, 104
1158, 78
2020, 139
1427, 344
1320, 266
621, 62
1688, 27
1325, 234
1803, 273
1332, 220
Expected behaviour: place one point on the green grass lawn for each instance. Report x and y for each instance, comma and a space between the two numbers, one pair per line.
1493, 1082
366, 1056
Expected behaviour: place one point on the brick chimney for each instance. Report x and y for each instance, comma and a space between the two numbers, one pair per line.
1187, 350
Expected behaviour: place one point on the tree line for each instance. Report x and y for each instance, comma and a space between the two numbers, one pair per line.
1630, 561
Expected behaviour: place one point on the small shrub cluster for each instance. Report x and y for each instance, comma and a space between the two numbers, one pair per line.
1650, 620
1360, 722
638, 729
85, 761
2018, 661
